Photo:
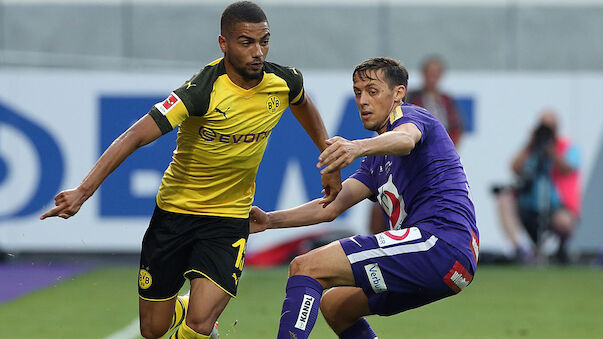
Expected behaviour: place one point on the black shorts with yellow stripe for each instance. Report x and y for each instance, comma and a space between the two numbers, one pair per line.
178, 246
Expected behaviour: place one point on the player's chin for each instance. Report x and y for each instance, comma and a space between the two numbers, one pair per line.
254, 74
369, 125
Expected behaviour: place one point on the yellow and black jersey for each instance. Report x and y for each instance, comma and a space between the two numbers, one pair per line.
223, 133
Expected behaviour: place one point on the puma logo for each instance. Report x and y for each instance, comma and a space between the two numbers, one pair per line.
222, 112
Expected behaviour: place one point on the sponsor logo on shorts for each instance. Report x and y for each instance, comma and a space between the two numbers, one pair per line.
375, 278
167, 104
144, 279
304, 312
458, 277
353, 238
393, 237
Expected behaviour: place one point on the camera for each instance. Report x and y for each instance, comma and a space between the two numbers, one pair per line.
543, 137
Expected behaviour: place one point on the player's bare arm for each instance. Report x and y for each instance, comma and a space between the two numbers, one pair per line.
308, 116
342, 152
68, 202
310, 213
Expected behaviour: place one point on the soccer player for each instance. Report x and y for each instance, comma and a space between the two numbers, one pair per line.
413, 170
200, 225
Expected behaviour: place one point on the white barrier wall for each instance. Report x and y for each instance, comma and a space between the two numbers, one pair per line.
55, 124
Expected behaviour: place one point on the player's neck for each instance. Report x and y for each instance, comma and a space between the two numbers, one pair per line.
383, 128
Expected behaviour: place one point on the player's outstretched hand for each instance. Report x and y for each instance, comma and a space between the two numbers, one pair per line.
331, 182
258, 220
67, 204
340, 153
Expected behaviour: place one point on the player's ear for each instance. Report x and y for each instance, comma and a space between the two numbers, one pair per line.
399, 93
222, 43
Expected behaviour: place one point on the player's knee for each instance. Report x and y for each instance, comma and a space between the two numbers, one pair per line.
151, 331
295, 266
301, 265
201, 326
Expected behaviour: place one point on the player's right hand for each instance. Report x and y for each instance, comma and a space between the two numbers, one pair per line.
339, 153
331, 182
67, 204
258, 220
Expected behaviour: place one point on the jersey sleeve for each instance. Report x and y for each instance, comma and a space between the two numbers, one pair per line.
169, 113
404, 115
363, 174
296, 87
293, 78
190, 99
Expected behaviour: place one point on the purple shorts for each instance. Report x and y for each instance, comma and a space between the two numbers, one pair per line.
403, 269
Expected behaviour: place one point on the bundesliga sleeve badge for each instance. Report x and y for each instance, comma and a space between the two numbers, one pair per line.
170, 102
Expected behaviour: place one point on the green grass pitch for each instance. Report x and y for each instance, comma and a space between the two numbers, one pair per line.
502, 302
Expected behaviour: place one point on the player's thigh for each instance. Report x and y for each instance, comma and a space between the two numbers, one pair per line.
327, 264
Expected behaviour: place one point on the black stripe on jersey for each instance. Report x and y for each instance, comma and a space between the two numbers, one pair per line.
160, 120
195, 93
293, 77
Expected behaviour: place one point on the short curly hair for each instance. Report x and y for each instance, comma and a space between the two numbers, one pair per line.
241, 11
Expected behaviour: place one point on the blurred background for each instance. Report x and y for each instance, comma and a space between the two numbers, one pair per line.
75, 74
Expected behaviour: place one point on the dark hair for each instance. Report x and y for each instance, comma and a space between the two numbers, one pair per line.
241, 11
395, 73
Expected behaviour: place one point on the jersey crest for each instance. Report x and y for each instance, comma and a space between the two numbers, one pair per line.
391, 202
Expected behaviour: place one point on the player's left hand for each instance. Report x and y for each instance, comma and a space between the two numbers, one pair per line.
339, 153
258, 220
331, 183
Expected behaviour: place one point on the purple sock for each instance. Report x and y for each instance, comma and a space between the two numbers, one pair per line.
360, 330
300, 307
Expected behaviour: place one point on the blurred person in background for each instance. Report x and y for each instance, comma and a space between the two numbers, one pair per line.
439, 104
200, 225
547, 194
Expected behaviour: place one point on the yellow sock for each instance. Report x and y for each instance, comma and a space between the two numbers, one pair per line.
185, 332
179, 313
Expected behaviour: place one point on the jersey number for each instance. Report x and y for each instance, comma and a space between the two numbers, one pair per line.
241, 245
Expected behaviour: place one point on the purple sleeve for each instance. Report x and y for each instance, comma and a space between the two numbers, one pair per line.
363, 174
409, 117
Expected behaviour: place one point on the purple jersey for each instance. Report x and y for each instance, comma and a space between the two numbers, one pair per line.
427, 188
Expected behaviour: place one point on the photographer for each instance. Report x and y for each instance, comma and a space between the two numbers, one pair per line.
547, 193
